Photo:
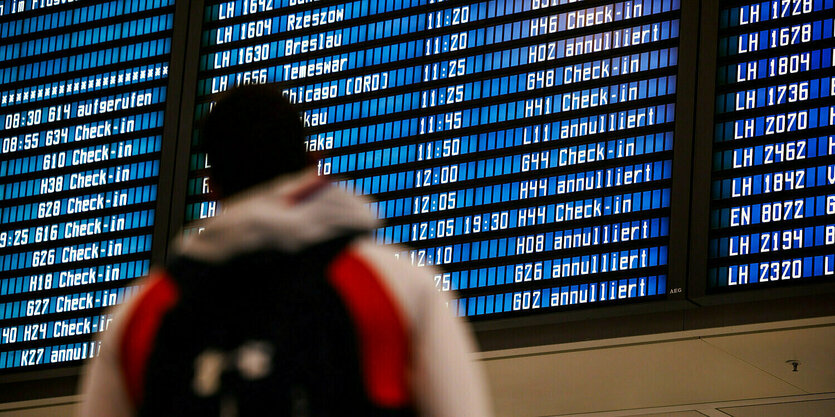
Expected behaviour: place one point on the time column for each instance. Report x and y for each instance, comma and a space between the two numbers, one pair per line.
83, 88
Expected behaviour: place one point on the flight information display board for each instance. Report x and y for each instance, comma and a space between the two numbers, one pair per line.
524, 147
83, 88
774, 149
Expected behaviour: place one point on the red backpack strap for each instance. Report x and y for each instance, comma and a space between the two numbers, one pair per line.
382, 334
141, 328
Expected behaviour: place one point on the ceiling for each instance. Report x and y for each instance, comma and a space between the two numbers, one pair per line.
737, 371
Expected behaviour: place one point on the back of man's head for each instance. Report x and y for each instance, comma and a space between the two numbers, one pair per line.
252, 135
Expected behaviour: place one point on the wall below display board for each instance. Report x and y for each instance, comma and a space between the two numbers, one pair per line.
736, 371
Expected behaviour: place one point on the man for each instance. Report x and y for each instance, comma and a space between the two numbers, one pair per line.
252, 315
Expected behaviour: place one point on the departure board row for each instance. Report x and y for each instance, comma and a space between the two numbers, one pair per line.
82, 93
524, 147
774, 149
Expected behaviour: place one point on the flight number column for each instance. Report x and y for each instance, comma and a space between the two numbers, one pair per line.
774, 152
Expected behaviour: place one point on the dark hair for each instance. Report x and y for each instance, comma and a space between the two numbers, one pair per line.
252, 135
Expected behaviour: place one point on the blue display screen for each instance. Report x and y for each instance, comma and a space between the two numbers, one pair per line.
83, 87
524, 147
774, 154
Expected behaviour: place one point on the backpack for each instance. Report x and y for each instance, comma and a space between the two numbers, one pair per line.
264, 334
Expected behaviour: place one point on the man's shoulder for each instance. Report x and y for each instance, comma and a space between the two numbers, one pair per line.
388, 262
412, 287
